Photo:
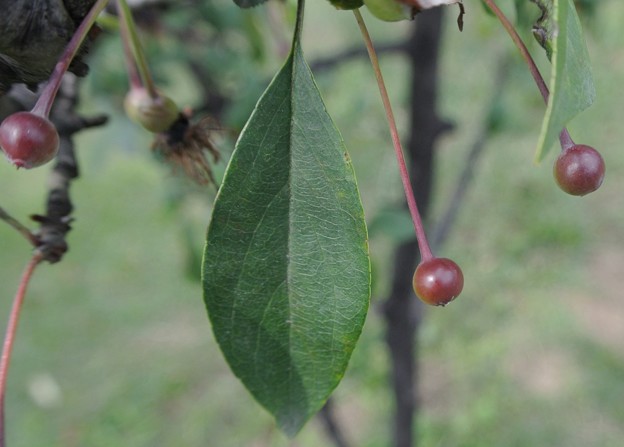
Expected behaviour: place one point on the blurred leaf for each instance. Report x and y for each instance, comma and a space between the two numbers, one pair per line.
254, 36
238, 111
526, 15
587, 8
192, 253
497, 116
487, 9
571, 82
394, 223
248, 3
286, 272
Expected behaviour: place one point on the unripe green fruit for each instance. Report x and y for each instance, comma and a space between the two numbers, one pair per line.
154, 114
389, 10
346, 4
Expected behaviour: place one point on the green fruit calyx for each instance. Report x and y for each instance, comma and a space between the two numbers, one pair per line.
346, 4
389, 10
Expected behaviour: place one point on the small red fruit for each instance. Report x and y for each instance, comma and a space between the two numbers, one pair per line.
438, 281
28, 140
579, 170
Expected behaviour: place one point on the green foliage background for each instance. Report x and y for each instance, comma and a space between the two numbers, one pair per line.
115, 348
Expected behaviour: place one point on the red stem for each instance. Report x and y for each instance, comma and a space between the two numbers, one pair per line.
564, 137
539, 80
11, 330
566, 140
421, 237
44, 103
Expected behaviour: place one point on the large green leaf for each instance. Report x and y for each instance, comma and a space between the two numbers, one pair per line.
286, 272
571, 82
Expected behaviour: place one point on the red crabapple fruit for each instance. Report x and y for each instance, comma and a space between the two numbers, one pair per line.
438, 281
28, 140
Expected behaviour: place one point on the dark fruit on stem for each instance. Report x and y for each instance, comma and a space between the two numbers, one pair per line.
154, 114
438, 281
579, 170
28, 140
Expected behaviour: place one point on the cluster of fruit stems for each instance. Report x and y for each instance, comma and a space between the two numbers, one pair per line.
42, 108
564, 137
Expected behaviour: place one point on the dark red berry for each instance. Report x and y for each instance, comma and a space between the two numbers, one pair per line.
28, 140
579, 170
438, 281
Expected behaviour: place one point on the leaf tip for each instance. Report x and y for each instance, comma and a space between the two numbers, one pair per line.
292, 423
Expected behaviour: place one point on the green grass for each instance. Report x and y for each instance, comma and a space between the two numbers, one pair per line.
115, 348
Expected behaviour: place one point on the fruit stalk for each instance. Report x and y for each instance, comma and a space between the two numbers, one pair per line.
144, 104
423, 245
133, 74
129, 35
564, 137
44, 103
11, 330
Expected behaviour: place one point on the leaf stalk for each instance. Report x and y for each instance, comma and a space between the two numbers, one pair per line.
45, 101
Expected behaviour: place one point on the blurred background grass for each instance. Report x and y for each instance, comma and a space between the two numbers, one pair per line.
114, 347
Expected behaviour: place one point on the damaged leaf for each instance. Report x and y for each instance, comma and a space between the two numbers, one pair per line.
545, 28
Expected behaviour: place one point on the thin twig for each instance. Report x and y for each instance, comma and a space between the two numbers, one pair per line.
55, 224
332, 427
356, 52
17, 225
11, 330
